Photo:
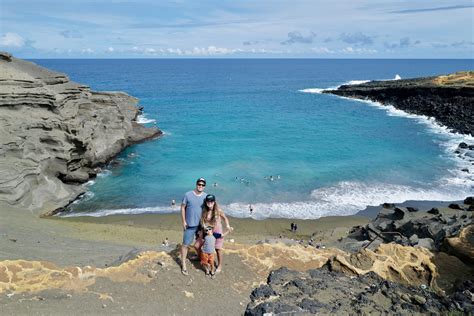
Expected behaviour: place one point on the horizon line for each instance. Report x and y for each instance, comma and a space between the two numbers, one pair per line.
240, 58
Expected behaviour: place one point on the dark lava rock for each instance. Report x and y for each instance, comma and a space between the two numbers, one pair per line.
412, 209
434, 211
452, 105
388, 205
399, 225
312, 306
276, 308
455, 206
469, 200
337, 293
6, 56
263, 291
463, 145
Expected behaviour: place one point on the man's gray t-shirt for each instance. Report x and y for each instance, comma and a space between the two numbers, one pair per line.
209, 244
193, 204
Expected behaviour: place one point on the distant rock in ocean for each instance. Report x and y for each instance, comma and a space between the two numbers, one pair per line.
449, 99
54, 132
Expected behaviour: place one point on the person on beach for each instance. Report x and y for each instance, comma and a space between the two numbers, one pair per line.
207, 252
212, 216
191, 210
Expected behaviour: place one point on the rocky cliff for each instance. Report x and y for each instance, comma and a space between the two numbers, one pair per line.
54, 133
449, 99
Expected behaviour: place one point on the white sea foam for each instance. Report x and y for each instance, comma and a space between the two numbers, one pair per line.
313, 90
350, 82
321, 90
344, 198
142, 119
124, 211
355, 82
104, 173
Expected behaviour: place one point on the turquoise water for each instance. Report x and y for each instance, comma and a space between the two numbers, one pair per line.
238, 122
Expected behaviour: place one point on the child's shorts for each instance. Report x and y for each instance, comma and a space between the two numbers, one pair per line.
207, 258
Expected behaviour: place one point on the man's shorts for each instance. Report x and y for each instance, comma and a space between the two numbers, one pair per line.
188, 235
207, 258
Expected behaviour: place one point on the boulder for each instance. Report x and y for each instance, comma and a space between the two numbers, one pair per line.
427, 243
433, 211
264, 291
469, 200
461, 246
455, 206
413, 239
6, 56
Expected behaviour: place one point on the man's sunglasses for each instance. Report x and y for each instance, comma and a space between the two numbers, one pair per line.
201, 184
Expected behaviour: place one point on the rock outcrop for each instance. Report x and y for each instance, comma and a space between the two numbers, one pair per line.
327, 292
405, 261
449, 99
55, 132
410, 227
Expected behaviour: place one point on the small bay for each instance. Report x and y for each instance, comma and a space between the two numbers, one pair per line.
250, 127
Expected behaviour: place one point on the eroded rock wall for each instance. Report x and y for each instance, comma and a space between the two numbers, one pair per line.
54, 132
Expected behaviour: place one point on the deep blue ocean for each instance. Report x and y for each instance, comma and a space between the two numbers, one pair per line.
261, 133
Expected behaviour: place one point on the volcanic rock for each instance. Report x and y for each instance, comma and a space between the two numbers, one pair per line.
449, 99
326, 292
53, 132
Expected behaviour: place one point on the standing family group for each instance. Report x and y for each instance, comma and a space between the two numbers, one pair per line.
202, 225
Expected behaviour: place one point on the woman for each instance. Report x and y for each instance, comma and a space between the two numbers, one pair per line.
212, 216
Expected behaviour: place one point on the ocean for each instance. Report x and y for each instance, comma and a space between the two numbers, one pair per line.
261, 133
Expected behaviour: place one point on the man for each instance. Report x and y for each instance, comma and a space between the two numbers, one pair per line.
191, 210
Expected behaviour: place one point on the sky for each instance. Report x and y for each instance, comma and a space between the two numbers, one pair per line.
237, 29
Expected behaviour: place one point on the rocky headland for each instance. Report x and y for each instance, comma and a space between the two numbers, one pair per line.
449, 99
55, 134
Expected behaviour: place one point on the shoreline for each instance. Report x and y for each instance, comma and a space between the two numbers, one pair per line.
117, 263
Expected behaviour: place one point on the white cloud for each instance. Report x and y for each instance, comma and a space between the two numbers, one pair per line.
210, 50
110, 49
12, 40
351, 50
322, 50
87, 51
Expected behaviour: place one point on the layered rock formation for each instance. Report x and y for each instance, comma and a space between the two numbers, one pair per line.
55, 132
449, 99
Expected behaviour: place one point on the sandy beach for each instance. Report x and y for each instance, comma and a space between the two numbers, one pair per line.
117, 264
151, 282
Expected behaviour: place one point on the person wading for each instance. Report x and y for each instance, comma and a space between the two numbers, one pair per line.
191, 210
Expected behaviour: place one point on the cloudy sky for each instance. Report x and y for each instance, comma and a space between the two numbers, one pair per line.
233, 29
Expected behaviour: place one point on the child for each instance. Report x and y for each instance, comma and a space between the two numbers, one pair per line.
207, 251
